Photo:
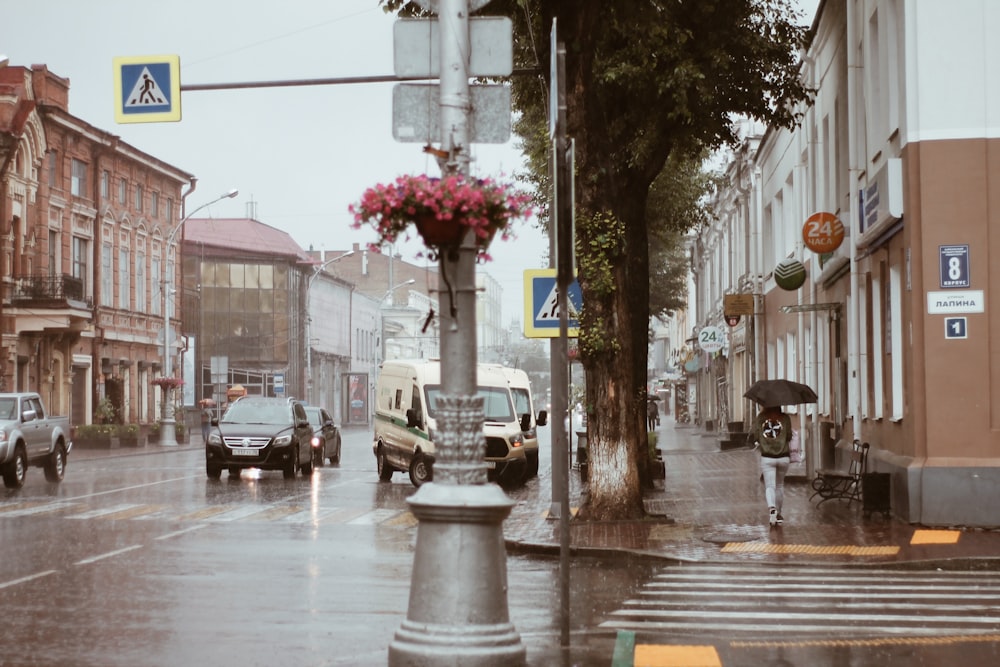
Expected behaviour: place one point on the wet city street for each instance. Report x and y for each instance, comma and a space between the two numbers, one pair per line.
138, 559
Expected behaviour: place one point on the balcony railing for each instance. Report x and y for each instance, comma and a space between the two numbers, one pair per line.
46, 288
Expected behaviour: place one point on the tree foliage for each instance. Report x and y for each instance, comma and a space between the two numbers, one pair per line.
648, 83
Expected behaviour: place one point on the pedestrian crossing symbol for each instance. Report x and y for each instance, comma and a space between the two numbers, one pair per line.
541, 303
147, 89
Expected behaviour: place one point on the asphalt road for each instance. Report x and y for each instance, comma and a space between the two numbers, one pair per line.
140, 560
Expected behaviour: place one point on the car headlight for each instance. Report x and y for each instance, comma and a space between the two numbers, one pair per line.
517, 440
214, 439
283, 440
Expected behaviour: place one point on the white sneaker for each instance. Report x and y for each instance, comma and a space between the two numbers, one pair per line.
773, 513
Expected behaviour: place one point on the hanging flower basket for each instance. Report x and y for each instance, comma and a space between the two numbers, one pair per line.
167, 383
443, 210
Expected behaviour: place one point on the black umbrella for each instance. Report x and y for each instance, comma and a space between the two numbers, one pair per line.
774, 393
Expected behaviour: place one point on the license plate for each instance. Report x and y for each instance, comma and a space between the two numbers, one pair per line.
242, 451
491, 465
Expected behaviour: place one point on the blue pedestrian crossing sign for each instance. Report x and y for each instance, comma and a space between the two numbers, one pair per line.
147, 89
541, 305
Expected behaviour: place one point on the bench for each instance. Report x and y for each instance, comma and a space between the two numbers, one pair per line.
830, 484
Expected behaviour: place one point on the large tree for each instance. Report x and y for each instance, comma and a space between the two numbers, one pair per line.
646, 80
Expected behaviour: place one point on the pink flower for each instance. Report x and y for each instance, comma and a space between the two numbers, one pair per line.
484, 205
165, 382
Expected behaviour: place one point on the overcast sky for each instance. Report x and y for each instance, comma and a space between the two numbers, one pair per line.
301, 154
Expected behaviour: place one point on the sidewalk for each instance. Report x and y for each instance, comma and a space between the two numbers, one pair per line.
711, 507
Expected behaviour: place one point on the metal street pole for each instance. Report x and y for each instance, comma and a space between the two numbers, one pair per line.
458, 613
168, 430
309, 312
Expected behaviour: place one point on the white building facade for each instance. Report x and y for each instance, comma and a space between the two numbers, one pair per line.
894, 327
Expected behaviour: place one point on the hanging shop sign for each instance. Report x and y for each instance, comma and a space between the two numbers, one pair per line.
737, 304
711, 339
790, 274
823, 232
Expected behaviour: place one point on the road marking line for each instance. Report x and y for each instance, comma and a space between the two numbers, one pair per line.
135, 486
204, 513
848, 550
373, 517
110, 554
664, 655
880, 641
277, 512
935, 537
30, 577
182, 531
107, 512
42, 509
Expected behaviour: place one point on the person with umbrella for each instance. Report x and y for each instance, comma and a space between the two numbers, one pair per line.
772, 431
206, 417
652, 413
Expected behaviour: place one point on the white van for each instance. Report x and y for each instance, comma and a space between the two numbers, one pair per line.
405, 396
524, 406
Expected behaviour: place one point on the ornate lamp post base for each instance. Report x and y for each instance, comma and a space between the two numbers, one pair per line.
458, 611
168, 433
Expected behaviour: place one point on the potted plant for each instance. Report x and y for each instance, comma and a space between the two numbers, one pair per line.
442, 210
95, 436
128, 435
166, 383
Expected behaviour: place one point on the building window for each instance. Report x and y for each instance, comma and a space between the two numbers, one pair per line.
54, 170
105, 184
107, 276
156, 285
169, 212
138, 198
140, 282
124, 279
81, 255
122, 191
78, 181
154, 203
53, 252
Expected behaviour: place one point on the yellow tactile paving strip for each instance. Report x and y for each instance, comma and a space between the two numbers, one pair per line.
659, 655
809, 549
935, 537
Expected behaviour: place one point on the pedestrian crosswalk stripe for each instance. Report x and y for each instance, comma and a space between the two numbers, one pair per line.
876, 641
810, 603
816, 550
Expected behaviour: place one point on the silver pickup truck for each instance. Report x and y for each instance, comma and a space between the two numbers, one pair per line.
30, 437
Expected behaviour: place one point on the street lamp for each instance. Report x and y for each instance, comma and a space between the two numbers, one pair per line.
168, 432
317, 269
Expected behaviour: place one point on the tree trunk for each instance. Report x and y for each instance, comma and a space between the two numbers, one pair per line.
614, 339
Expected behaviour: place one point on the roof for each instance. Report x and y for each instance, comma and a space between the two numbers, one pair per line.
243, 234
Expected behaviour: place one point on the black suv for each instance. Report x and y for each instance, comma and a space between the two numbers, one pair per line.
260, 432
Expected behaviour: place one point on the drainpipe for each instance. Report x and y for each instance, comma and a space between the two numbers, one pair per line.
854, 170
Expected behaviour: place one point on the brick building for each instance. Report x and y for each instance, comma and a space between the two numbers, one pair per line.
84, 219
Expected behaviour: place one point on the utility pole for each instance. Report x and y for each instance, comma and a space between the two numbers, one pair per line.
458, 613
